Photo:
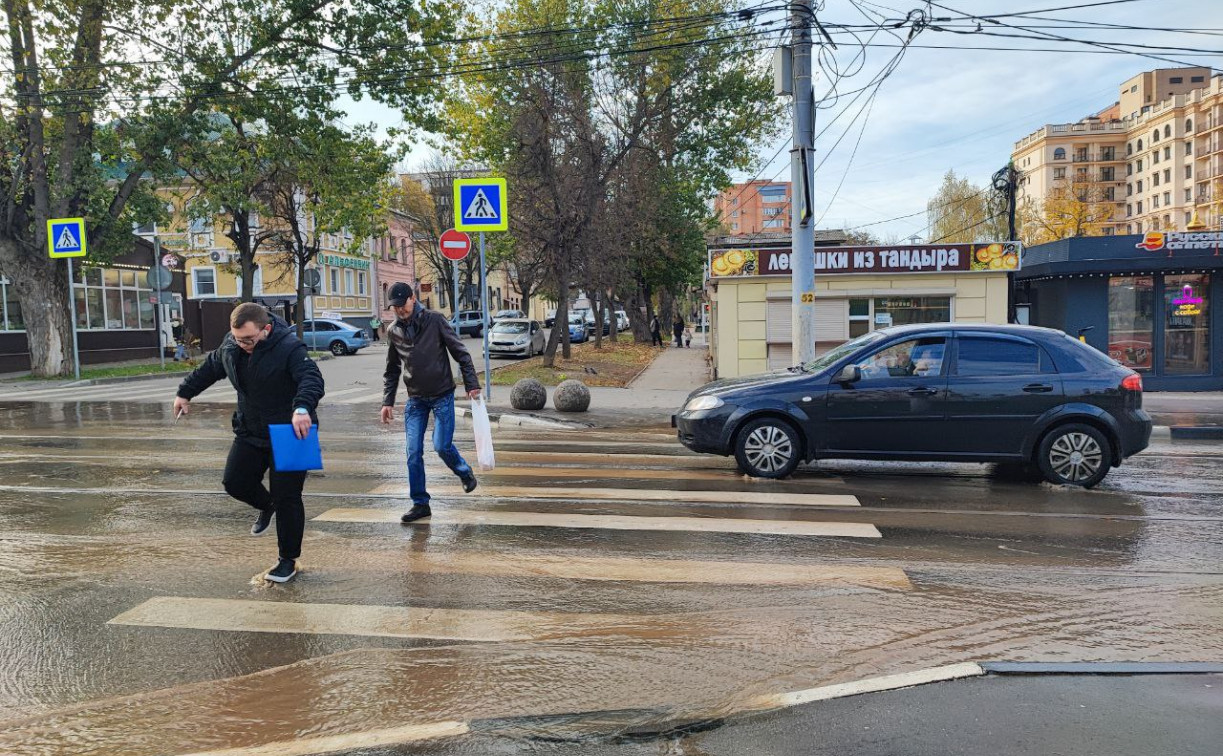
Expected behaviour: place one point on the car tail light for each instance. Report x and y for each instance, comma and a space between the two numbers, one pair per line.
1132, 382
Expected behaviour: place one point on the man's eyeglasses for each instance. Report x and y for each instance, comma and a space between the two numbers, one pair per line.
249, 340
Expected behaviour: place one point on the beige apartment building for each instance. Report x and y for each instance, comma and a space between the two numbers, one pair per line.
755, 207
1155, 156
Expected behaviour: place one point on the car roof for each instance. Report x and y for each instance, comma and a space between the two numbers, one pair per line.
1014, 330
514, 320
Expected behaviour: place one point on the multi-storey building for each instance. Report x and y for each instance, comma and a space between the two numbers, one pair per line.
1155, 156
755, 207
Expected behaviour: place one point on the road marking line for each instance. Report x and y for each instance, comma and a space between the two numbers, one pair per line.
615, 522
243, 615
348, 741
650, 570
869, 685
640, 494
676, 460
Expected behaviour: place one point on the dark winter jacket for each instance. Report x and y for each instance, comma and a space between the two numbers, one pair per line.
275, 379
417, 349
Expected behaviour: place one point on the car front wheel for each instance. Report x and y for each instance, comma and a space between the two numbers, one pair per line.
767, 448
1074, 455
338, 348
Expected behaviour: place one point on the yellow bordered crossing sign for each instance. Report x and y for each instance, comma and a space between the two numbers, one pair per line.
66, 237
480, 205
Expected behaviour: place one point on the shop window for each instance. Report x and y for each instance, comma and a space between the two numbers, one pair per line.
1187, 324
1131, 308
908, 310
997, 357
10, 316
859, 317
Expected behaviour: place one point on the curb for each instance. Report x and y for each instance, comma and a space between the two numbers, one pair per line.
1103, 668
499, 420
1197, 432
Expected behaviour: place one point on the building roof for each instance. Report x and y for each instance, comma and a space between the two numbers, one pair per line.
823, 238
1087, 255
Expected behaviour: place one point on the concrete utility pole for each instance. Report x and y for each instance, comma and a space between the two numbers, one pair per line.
802, 235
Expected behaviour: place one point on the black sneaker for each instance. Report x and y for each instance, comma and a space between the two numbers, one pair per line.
417, 512
283, 572
469, 484
262, 521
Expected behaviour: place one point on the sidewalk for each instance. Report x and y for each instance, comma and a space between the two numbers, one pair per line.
658, 392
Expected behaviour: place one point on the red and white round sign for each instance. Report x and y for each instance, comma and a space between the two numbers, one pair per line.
455, 244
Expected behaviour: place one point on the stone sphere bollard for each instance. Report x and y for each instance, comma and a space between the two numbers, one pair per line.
571, 396
528, 394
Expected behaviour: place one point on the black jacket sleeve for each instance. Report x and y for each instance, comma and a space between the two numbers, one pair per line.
394, 369
209, 372
306, 375
454, 345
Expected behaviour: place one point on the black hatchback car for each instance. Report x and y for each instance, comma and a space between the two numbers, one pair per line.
948, 392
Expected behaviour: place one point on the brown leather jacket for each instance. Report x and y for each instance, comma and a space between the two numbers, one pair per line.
417, 349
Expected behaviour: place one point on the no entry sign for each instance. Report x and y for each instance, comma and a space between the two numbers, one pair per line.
455, 244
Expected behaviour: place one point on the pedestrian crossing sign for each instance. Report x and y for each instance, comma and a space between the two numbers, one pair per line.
66, 237
480, 205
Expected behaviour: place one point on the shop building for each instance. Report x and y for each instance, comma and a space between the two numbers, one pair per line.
1152, 302
858, 290
116, 310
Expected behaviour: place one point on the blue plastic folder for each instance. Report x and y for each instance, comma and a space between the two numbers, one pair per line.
291, 453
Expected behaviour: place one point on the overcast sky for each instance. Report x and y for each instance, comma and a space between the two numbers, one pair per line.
962, 109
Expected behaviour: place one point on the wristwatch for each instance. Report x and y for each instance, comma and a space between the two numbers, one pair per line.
301, 411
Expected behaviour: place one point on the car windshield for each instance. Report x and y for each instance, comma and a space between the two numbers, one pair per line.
829, 358
510, 327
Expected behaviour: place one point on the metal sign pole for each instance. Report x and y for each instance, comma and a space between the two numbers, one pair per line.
484, 328
154, 274
454, 304
76, 351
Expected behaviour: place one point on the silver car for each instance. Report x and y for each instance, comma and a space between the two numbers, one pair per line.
517, 337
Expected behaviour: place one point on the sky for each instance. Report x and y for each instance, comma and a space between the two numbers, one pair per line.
955, 109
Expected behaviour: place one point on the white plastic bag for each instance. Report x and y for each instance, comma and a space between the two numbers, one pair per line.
483, 431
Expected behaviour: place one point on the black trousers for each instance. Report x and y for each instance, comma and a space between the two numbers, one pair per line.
244, 470
656, 337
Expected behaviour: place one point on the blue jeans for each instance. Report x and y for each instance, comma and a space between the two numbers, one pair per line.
415, 418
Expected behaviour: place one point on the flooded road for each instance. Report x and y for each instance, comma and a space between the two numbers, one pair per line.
597, 581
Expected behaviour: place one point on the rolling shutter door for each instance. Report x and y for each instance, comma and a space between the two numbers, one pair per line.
780, 322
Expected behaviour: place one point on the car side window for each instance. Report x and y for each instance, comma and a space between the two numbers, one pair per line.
307, 327
917, 357
325, 327
997, 357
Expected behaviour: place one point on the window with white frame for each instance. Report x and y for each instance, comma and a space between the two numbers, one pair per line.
335, 281
204, 282
112, 299
10, 308
349, 288
361, 283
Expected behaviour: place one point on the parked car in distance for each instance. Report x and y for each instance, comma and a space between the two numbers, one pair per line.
577, 329
335, 336
505, 314
621, 321
516, 337
470, 322
948, 392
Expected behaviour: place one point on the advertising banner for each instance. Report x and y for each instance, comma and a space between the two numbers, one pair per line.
929, 258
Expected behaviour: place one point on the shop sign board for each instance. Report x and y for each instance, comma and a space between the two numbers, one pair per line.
997, 257
336, 261
1172, 241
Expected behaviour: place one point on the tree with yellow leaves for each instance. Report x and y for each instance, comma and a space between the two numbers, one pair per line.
1070, 209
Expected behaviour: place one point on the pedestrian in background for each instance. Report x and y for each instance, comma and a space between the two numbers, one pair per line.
419, 345
656, 332
375, 324
678, 329
277, 383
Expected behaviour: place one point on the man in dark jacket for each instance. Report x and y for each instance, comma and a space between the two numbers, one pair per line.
277, 383
417, 346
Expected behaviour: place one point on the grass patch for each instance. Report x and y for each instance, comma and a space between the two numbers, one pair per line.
127, 371
614, 365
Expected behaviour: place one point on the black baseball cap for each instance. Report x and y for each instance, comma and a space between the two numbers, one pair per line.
399, 294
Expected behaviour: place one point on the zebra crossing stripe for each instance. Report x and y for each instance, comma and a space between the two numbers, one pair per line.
614, 522
322, 744
640, 494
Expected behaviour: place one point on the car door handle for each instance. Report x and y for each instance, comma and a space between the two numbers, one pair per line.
1038, 388
922, 392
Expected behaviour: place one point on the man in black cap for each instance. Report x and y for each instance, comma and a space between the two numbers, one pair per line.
417, 346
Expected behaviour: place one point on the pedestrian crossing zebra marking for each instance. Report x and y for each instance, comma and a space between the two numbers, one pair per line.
639, 494
613, 522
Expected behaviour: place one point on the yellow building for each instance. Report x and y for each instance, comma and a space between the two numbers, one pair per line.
1156, 155
858, 290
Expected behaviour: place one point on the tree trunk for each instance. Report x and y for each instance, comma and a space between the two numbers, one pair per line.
42, 288
301, 299
613, 323
560, 326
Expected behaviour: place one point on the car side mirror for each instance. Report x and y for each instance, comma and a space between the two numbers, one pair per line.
849, 374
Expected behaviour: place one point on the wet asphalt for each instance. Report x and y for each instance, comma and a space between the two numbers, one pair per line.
109, 508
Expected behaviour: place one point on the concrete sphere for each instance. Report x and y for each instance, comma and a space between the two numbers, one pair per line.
571, 396
528, 394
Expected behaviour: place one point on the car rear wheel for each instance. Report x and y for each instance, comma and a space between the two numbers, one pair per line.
339, 348
1074, 455
767, 448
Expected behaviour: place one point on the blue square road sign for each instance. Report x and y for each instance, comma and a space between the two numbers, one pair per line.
66, 237
480, 205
